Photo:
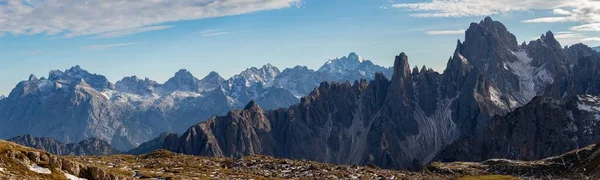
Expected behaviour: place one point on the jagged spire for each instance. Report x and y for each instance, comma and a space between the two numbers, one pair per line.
423, 69
401, 66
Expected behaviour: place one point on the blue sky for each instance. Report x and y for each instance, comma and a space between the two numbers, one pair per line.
156, 39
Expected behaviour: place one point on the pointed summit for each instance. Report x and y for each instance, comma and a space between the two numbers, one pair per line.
182, 81
183, 73
354, 56
75, 69
213, 74
211, 81
252, 105
401, 66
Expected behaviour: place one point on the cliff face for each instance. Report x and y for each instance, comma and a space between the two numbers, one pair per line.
545, 127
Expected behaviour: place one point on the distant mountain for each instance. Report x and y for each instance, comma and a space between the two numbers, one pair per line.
91, 146
419, 114
74, 104
596, 48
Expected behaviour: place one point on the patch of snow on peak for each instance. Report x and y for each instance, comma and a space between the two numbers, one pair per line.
589, 103
39, 169
531, 79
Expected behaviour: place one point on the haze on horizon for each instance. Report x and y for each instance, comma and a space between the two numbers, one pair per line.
155, 39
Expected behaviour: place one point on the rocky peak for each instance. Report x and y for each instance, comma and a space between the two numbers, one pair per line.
182, 81
76, 75
135, 85
353, 56
484, 38
183, 74
32, 77
252, 105
213, 77
401, 67
350, 62
270, 69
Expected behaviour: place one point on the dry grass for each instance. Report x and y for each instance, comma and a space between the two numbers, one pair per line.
17, 169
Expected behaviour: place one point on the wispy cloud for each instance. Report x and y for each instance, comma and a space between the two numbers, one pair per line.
462, 8
126, 32
586, 12
587, 27
568, 35
115, 18
211, 32
107, 46
591, 39
446, 32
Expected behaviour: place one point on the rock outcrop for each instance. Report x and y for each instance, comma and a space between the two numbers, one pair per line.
18, 162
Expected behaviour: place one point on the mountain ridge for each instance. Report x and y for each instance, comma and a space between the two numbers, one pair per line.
406, 121
133, 110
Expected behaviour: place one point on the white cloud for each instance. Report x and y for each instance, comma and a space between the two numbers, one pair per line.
211, 32
587, 27
568, 35
446, 32
591, 39
126, 32
107, 46
461, 8
583, 11
562, 12
549, 20
114, 18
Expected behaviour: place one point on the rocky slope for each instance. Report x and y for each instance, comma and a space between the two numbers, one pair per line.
18, 162
74, 104
92, 146
406, 121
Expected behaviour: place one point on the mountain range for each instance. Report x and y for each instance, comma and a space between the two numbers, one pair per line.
74, 104
495, 99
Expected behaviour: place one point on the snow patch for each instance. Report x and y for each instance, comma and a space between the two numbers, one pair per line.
73, 177
39, 169
531, 79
